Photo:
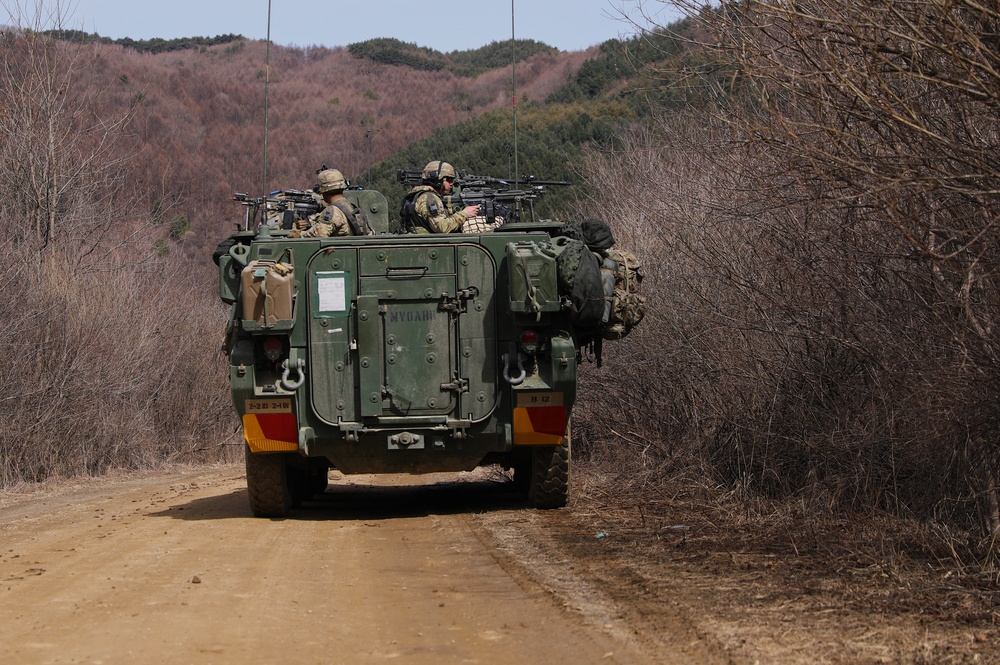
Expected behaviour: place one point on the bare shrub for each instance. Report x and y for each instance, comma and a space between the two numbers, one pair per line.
111, 368
52, 142
821, 245
112, 352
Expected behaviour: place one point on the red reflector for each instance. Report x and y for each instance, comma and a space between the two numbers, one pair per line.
272, 348
548, 419
279, 426
529, 337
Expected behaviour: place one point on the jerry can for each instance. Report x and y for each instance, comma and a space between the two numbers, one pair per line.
267, 292
531, 271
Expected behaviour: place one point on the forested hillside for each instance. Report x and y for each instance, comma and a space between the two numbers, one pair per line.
495, 55
196, 109
155, 45
197, 116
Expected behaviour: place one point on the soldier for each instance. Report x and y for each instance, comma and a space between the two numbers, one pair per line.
340, 217
424, 210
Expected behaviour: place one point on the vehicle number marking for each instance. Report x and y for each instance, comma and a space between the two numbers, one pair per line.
275, 405
539, 399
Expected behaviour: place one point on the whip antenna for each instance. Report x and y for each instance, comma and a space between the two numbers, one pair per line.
513, 69
267, 81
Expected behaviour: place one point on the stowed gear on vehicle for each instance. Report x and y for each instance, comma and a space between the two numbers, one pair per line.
400, 353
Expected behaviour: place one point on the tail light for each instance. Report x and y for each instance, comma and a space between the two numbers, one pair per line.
273, 348
529, 341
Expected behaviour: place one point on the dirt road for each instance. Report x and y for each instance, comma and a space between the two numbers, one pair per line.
171, 568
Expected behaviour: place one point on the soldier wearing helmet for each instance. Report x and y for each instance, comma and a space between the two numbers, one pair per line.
340, 217
424, 210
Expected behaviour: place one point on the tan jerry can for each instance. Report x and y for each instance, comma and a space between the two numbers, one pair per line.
267, 289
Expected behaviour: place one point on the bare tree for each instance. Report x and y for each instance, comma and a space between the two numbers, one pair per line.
820, 233
892, 106
91, 306
53, 140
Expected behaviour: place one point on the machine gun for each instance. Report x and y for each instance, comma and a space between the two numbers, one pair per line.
496, 197
466, 179
283, 205
507, 202
413, 177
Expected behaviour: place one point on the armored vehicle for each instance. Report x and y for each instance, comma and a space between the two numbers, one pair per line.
397, 354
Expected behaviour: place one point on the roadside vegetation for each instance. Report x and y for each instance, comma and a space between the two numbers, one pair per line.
110, 357
819, 230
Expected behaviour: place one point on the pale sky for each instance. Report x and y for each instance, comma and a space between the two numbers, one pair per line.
570, 25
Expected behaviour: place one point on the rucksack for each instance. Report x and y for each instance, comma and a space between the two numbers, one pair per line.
626, 308
356, 217
602, 284
594, 233
409, 220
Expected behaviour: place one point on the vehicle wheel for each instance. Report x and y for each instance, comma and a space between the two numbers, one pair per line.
319, 480
267, 484
299, 485
544, 476
522, 473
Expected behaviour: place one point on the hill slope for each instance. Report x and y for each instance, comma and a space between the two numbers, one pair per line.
200, 120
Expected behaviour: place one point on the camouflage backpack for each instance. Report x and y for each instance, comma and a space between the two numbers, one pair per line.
594, 233
626, 307
356, 217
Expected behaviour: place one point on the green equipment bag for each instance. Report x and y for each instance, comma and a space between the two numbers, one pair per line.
579, 275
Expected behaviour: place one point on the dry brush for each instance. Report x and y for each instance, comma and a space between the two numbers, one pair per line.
821, 243
111, 357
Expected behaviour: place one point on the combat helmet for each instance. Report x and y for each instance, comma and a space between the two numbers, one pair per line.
331, 180
437, 171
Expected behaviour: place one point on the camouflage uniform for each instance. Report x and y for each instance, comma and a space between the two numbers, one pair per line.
434, 216
331, 221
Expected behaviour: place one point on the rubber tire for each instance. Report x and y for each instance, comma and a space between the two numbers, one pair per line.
267, 484
549, 481
299, 485
541, 474
319, 481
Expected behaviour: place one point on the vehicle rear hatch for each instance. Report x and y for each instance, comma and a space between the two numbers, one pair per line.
402, 335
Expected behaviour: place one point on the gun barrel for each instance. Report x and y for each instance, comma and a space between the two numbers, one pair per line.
532, 180
410, 176
468, 180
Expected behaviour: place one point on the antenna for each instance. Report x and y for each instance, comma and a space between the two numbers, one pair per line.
513, 69
267, 81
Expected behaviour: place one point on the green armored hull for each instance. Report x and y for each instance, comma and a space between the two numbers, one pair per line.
398, 354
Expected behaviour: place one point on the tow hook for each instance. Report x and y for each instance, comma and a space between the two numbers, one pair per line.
293, 385
517, 380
